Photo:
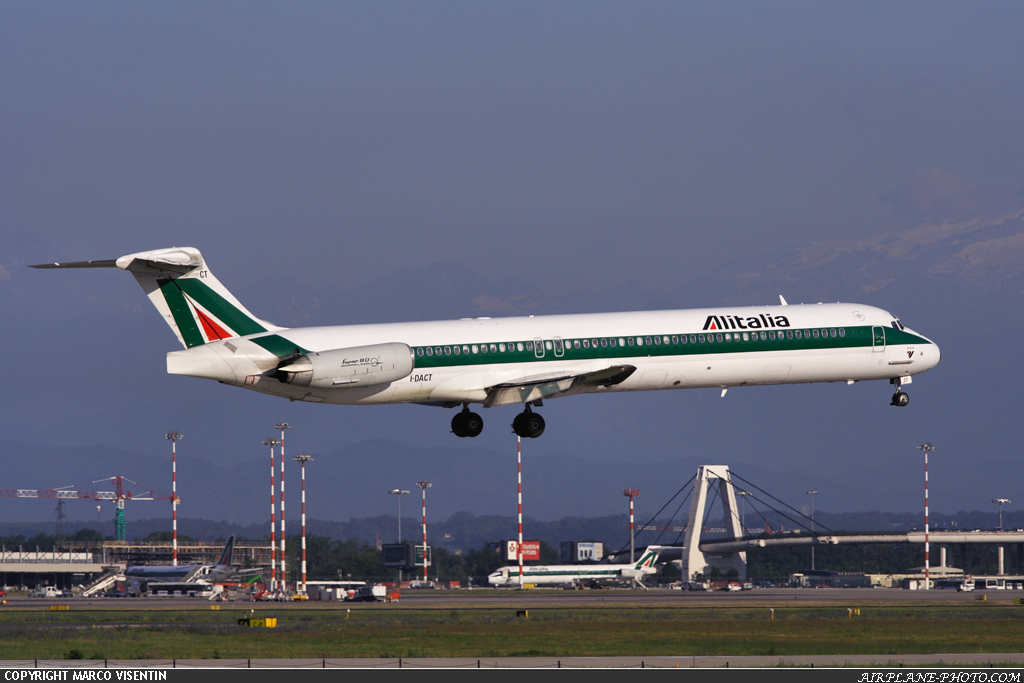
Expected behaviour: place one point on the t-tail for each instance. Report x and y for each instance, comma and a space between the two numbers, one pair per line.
193, 302
649, 557
228, 554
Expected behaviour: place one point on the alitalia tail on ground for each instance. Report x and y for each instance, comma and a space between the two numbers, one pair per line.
577, 574
520, 361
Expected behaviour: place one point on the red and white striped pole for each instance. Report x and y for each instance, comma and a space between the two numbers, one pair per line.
303, 458
174, 437
631, 493
926, 447
424, 485
284, 577
273, 521
519, 485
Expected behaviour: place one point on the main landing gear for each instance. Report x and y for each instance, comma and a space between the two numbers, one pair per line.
528, 424
900, 398
467, 423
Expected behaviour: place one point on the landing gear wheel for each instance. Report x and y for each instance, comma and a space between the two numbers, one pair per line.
467, 423
458, 425
472, 424
533, 424
528, 424
900, 399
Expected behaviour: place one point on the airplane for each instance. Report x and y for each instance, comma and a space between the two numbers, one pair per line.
517, 361
220, 572
575, 574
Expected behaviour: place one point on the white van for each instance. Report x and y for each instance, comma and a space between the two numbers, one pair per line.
45, 592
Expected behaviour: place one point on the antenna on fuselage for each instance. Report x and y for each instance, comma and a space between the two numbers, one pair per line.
783, 300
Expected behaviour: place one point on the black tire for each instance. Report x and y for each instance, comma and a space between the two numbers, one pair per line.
472, 424
533, 425
517, 425
459, 425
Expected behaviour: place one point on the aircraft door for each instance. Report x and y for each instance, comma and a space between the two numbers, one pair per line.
877, 339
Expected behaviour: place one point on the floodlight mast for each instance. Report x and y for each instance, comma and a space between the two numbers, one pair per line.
399, 493
631, 493
273, 522
927, 448
1000, 502
174, 438
302, 459
284, 577
423, 486
812, 494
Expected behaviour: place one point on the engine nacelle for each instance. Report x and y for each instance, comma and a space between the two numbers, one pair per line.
357, 366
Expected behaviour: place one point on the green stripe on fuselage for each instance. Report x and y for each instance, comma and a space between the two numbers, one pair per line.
854, 337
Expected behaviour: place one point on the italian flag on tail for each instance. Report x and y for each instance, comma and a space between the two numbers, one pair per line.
193, 302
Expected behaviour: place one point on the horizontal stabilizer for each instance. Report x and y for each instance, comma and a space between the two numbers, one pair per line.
109, 263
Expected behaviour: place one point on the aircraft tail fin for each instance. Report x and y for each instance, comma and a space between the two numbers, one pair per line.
649, 557
197, 307
228, 554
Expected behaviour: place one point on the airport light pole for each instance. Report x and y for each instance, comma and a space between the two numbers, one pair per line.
812, 494
302, 459
399, 493
423, 486
743, 510
631, 493
1000, 502
273, 523
284, 577
927, 448
174, 437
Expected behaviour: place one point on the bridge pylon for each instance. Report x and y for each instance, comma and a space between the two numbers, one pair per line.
696, 563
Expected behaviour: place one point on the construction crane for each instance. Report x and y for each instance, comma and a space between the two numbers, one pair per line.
119, 495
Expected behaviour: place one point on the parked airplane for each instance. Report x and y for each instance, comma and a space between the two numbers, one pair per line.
576, 574
522, 360
220, 572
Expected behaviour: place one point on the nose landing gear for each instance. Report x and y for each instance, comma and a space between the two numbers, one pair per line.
467, 423
900, 398
528, 424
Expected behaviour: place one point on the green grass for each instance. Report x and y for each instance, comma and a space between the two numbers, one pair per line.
563, 632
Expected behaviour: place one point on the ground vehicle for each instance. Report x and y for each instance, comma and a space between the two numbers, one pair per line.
44, 592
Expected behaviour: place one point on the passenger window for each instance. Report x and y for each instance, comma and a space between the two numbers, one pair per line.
547, 345
586, 343
746, 336
647, 340
832, 332
465, 350
682, 338
629, 341
701, 337
718, 337
611, 342
789, 334
675, 339
447, 350
476, 349
815, 334
842, 331
639, 341
501, 347
576, 344
437, 350
693, 340
604, 343
455, 350
622, 342
419, 351
483, 348
529, 346
762, 336
798, 335
430, 351
657, 341
728, 336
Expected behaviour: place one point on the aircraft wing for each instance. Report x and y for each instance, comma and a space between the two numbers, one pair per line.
539, 387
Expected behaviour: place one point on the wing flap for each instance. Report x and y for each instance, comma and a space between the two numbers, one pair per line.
539, 387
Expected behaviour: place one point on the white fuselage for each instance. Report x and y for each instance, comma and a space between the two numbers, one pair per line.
462, 361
